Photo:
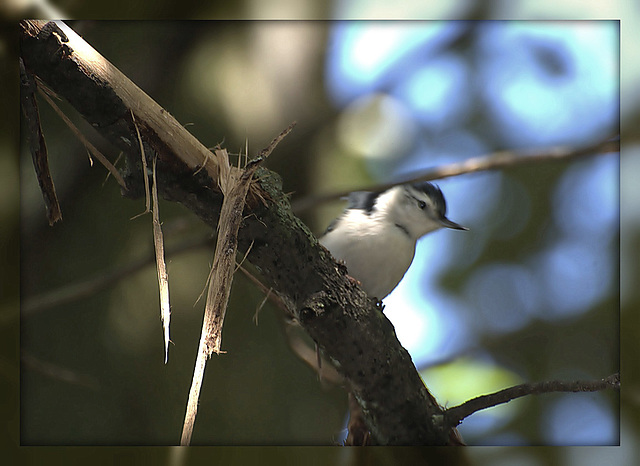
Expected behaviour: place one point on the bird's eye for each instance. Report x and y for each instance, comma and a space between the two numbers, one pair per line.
422, 204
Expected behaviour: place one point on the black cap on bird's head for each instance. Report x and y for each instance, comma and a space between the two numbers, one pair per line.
434, 193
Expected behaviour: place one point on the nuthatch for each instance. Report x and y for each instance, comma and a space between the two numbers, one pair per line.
376, 234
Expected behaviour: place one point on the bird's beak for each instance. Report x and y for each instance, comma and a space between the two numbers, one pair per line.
445, 222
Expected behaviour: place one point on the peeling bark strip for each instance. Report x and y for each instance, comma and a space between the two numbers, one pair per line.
348, 326
161, 266
38, 146
235, 186
235, 189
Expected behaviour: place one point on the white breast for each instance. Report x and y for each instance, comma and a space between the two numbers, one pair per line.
376, 253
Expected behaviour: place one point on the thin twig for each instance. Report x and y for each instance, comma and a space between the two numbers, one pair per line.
312, 357
94, 151
145, 176
268, 292
495, 161
264, 153
83, 289
261, 305
327, 373
57, 372
244, 258
453, 416
204, 288
106, 178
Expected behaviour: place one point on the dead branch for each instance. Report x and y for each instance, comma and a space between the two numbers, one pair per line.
453, 416
70, 293
496, 161
235, 186
57, 372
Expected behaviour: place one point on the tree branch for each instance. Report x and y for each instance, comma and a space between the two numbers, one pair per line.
346, 324
104, 96
495, 161
453, 416
70, 293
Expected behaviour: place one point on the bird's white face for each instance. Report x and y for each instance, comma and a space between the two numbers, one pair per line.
414, 210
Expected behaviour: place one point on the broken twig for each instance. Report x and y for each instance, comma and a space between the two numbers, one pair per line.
163, 277
234, 184
38, 146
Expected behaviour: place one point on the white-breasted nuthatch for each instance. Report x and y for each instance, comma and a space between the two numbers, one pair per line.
376, 235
